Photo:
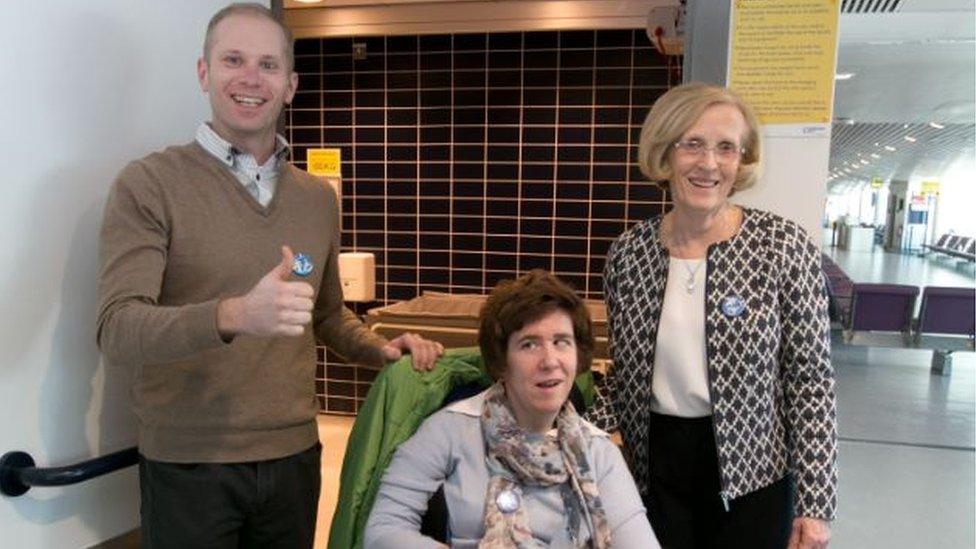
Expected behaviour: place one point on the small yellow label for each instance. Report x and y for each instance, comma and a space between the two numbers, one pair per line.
930, 188
325, 162
876, 183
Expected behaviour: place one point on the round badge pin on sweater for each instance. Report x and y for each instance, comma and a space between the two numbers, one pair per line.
302, 265
733, 306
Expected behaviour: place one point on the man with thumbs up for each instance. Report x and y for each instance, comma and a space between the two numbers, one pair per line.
218, 273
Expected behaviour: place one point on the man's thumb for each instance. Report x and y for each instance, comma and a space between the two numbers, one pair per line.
283, 270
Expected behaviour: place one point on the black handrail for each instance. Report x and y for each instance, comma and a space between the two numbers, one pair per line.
18, 473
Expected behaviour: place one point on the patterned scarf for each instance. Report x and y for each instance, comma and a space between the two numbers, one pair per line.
515, 460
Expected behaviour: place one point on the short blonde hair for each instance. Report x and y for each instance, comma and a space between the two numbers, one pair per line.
254, 9
676, 111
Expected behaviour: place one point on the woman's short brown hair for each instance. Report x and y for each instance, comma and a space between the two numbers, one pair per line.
515, 303
676, 111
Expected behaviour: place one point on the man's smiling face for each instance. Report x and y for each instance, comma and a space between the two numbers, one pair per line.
248, 78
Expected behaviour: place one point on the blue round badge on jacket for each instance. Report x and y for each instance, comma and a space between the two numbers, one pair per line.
733, 306
302, 265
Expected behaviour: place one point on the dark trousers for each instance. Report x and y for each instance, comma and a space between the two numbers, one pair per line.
684, 505
262, 504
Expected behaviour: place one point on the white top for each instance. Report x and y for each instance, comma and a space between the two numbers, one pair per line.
449, 450
261, 181
679, 385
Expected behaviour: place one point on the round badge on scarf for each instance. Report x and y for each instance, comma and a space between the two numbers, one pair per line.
508, 501
302, 265
733, 306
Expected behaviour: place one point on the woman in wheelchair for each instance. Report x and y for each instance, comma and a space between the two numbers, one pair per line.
518, 466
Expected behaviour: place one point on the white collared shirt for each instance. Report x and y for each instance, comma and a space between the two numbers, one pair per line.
260, 181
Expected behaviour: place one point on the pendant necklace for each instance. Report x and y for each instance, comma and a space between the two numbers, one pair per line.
693, 272
690, 283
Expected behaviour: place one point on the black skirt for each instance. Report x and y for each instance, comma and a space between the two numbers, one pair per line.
684, 504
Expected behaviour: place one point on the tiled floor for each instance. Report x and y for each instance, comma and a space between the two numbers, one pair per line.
895, 268
906, 461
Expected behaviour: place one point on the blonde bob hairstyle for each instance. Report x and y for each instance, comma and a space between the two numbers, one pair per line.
674, 113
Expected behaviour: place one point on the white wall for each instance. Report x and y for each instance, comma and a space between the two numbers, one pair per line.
87, 86
794, 181
957, 195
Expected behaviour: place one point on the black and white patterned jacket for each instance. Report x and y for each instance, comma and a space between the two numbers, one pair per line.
770, 377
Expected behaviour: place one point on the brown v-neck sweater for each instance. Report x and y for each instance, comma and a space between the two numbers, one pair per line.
179, 234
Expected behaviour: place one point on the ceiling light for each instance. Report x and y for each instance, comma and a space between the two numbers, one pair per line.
890, 148
875, 155
936, 125
910, 139
844, 76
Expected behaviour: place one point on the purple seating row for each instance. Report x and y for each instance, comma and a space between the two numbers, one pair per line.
840, 290
963, 247
946, 321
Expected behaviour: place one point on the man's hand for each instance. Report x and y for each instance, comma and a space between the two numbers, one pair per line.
809, 533
425, 352
275, 306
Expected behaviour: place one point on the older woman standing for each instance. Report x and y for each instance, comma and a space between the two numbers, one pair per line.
721, 385
519, 467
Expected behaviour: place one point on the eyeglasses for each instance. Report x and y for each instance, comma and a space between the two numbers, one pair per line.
724, 151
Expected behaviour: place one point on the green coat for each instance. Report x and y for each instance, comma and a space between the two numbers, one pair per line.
399, 400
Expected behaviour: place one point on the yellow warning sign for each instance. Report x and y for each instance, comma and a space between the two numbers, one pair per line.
876, 183
782, 57
325, 162
930, 188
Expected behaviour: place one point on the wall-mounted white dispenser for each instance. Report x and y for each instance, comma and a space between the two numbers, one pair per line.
357, 273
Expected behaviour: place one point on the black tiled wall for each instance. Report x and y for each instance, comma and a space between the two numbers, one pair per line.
471, 158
